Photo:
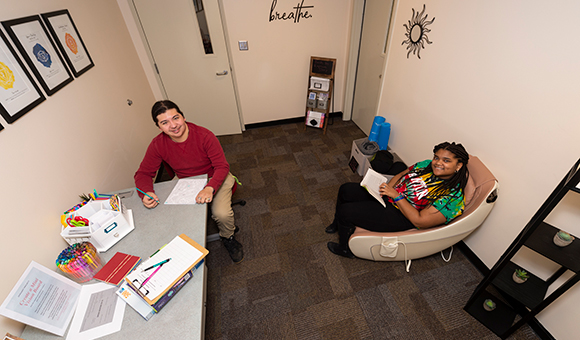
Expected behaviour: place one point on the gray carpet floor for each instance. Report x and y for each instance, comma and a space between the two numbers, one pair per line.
289, 286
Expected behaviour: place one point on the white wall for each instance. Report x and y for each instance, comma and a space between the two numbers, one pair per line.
272, 76
501, 77
84, 137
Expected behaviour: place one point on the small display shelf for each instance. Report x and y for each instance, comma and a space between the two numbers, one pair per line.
498, 320
529, 298
320, 91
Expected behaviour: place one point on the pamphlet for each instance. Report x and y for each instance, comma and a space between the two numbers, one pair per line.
372, 182
43, 299
99, 312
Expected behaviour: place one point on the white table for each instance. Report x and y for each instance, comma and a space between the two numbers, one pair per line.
184, 316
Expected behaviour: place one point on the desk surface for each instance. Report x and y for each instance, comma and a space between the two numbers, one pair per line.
184, 316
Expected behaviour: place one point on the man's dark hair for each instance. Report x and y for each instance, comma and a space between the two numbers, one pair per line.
161, 106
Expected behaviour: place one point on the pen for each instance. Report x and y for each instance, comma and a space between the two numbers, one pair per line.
158, 264
150, 276
146, 194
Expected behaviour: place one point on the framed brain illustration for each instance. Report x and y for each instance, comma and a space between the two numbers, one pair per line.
18, 91
37, 49
69, 41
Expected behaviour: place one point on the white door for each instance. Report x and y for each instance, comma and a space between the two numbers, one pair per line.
372, 55
194, 76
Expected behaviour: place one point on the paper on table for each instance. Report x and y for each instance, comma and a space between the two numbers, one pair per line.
43, 299
99, 312
186, 190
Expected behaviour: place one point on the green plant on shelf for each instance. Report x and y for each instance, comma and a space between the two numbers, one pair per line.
522, 274
564, 236
489, 305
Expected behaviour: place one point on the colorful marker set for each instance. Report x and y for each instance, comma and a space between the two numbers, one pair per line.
115, 203
80, 262
76, 207
95, 197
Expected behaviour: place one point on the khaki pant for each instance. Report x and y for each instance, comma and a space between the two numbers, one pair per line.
221, 207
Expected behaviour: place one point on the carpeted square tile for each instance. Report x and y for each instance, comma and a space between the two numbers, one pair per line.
290, 286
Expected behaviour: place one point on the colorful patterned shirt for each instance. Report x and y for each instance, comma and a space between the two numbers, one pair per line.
416, 189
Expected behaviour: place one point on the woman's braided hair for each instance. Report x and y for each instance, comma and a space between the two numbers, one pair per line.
458, 180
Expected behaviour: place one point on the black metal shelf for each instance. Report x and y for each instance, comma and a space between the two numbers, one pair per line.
530, 293
529, 298
498, 320
541, 241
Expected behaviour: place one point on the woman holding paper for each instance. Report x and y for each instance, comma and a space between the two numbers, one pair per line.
427, 194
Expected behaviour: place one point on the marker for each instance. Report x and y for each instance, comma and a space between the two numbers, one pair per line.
150, 276
158, 264
146, 194
157, 250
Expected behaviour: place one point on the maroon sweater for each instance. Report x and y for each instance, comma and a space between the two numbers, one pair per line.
200, 154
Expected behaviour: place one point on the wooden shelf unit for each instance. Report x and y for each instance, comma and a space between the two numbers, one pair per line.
321, 68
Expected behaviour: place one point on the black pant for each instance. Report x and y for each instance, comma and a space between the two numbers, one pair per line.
355, 207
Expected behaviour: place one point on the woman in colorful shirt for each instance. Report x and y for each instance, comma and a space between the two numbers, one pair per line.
427, 194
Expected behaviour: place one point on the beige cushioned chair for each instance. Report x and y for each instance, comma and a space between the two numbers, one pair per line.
480, 195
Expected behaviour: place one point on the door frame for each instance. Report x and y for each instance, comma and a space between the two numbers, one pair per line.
139, 38
354, 50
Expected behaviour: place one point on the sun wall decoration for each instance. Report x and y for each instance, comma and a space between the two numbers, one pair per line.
417, 33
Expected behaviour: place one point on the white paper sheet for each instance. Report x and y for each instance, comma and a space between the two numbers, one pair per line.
43, 299
99, 312
186, 190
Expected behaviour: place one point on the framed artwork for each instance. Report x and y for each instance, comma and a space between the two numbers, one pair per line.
18, 92
69, 41
32, 40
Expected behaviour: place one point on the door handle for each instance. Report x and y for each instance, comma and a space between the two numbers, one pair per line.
225, 72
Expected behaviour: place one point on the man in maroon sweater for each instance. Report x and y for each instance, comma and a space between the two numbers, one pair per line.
191, 150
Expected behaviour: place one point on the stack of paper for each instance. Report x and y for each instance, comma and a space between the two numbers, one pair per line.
155, 281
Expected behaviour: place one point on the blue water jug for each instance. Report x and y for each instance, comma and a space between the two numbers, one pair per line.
384, 134
376, 128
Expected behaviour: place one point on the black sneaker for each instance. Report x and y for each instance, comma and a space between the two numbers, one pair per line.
335, 248
234, 248
332, 228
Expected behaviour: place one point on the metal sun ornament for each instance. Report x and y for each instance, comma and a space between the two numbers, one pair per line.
417, 32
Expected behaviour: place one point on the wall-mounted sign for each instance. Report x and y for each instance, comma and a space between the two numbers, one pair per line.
417, 32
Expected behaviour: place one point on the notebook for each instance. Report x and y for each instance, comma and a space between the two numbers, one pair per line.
178, 257
117, 268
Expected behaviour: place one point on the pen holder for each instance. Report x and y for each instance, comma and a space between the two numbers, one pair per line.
79, 262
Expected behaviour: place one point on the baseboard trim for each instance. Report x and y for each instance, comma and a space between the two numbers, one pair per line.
288, 121
479, 265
